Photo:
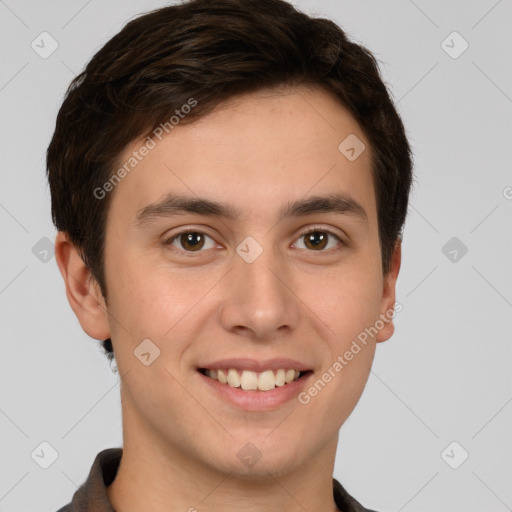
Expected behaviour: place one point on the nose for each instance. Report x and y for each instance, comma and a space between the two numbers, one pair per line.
259, 299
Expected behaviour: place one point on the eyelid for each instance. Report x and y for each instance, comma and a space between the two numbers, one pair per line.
320, 227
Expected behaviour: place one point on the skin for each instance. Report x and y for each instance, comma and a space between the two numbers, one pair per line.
257, 151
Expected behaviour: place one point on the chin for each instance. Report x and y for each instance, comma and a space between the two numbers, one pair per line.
259, 457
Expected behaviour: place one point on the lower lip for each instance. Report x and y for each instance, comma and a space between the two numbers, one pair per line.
255, 400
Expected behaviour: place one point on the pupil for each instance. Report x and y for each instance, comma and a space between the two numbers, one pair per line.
190, 240
317, 235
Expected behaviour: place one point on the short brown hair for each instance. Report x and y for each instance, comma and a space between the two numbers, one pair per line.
211, 50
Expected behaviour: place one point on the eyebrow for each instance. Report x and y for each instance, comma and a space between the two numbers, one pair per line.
174, 204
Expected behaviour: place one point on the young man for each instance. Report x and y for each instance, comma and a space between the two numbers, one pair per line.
230, 182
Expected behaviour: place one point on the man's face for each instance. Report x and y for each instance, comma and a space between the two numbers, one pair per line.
251, 292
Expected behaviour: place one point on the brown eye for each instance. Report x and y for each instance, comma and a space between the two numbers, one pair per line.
317, 240
190, 241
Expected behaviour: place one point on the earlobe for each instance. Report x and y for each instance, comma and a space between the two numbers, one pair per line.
82, 290
388, 295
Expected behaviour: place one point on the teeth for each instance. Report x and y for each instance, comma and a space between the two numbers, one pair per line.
266, 380
249, 380
290, 375
280, 378
233, 378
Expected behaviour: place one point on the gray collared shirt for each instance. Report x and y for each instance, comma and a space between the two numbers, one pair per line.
92, 496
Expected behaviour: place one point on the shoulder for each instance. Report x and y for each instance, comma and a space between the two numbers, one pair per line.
92, 496
65, 508
344, 501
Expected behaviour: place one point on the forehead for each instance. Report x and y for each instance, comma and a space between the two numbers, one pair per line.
256, 151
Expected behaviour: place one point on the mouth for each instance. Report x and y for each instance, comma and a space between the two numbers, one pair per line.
252, 381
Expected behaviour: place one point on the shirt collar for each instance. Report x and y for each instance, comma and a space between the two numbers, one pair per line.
92, 496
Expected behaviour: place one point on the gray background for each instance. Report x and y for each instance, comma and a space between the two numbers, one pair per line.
444, 376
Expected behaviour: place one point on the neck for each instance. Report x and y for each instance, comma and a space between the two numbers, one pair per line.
158, 476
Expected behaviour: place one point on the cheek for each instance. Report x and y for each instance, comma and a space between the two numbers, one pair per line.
347, 300
350, 308
155, 301
338, 386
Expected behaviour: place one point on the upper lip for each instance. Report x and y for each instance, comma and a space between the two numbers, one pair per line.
255, 365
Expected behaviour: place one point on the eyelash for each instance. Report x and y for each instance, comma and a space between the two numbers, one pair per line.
192, 254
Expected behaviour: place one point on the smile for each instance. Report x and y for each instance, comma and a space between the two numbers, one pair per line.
249, 380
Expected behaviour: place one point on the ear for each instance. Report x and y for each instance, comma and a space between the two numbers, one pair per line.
388, 295
82, 290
